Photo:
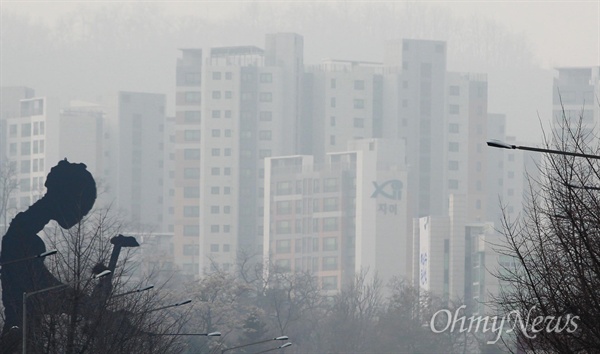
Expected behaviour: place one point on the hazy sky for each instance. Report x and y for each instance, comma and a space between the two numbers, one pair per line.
562, 33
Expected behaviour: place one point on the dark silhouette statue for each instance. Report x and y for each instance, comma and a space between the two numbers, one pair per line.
71, 193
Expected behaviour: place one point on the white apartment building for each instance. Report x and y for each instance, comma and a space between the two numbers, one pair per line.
239, 105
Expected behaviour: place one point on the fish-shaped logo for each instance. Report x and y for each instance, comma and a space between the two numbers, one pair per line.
391, 189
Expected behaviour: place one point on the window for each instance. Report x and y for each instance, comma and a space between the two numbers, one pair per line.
191, 173
330, 244
329, 283
191, 192
265, 116
359, 103
226, 247
226, 190
190, 250
215, 209
227, 209
453, 146
192, 97
25, 148
283, 227
330, 263
262, 153
25, 130
359, 84
214, 247
216, 75
284, 207
191, 154
330, 204
453, 165
284, 188
333, 83
283, 264
226, 228
330, 185
191, 230
453, 128
283, 246
215, 152
192, 135
215, 171
216, 114
332, 121
228, 113
228, 75
332, 102
191, 211
265, 97
264, 135
266, 77
453, 184
228, 95
214, 228
227, 152
453, 109
454, 91
332, 140
359, 123
227, 133
216, 95
215, 133
12, 130
227, 171
192, 116
25, 166
330, 224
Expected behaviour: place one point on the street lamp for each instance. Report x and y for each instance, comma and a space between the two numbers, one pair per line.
502, 145
169, 306
259, 342
279, 347
211, 334
41, 255
26, 295
134, 291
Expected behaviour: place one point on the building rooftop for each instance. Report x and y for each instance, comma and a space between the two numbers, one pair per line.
237, 50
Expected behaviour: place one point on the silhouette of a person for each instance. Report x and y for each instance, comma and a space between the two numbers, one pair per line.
71, 193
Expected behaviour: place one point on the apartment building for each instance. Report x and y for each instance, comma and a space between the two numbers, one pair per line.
340, 217
235, 107
134, 153
577, 89
346, 103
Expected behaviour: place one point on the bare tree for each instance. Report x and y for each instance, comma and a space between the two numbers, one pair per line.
8, 186
555, 248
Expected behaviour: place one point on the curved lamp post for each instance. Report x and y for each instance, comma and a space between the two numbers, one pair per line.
279, 347
502, 145
211, 334
26, 295
259, 342
41, 255
169, 306
133, 291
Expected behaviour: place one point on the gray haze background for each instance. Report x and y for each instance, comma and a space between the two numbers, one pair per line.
83, 49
